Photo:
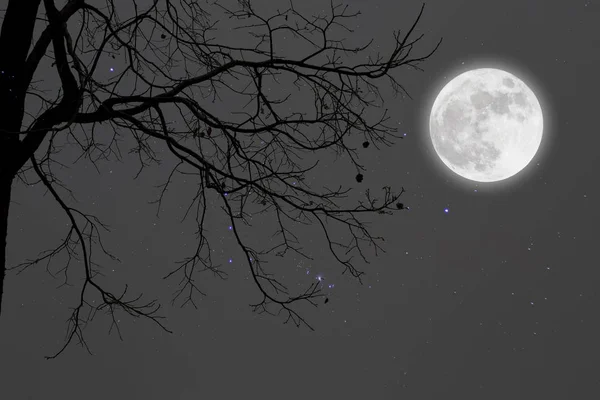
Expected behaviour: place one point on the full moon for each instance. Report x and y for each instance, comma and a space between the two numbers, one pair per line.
486, 125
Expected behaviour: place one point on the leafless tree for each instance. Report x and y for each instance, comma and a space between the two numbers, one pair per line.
248, 161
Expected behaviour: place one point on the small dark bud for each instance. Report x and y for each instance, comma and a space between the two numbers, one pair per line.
326, 300
359, 178
163, 36
400, 206
366, 144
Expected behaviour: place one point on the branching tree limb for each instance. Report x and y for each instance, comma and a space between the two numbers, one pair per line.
248, 158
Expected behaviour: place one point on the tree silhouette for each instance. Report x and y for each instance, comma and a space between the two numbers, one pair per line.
250, 160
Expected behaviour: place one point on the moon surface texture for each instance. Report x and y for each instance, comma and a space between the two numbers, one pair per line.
486, 125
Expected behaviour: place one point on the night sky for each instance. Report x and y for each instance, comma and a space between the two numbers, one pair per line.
484, 292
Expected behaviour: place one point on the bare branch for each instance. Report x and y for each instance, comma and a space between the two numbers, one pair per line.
250, 160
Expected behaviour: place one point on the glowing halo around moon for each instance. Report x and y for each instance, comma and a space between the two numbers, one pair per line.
486, 125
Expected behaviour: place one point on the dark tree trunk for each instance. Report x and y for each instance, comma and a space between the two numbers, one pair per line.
15, 41
5, 186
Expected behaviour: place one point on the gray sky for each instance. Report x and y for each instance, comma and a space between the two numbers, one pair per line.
493, 299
